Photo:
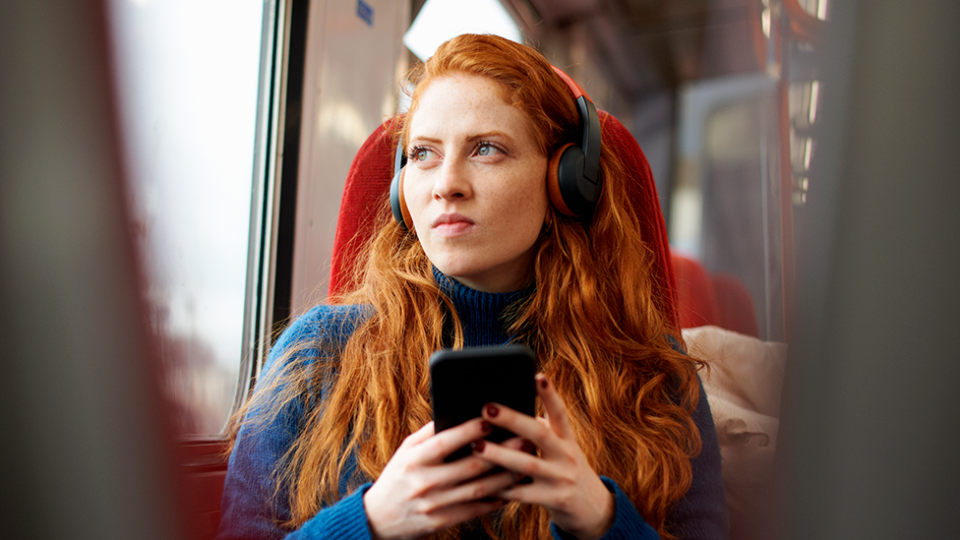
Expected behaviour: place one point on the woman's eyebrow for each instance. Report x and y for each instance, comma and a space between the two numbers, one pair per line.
492, 134
421, 138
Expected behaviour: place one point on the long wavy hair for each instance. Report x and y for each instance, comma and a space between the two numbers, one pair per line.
600, 332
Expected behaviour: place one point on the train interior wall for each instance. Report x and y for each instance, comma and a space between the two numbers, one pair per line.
869, 425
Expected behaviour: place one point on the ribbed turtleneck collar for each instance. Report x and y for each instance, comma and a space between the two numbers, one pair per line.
480, 312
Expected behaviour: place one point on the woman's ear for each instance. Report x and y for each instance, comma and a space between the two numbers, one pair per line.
548, 219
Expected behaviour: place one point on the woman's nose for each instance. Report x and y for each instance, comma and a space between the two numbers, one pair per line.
453, 182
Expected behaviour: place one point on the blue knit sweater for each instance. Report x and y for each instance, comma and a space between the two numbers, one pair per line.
252, 510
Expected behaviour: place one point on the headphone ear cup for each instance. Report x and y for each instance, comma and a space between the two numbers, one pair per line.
398, 204
395, 197
563, 171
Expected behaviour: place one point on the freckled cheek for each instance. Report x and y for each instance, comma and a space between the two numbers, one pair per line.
531, 198
523, 213
416, 196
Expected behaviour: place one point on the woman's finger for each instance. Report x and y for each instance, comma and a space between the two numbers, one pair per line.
521, 425
519, 461
556, 411
535, 430
565, 485
476, 490
519, 443
532, 493
434, 449
447, 475
469, 467
418, 436
459, 513
442, 475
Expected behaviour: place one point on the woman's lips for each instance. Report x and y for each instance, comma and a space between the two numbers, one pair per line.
452, 224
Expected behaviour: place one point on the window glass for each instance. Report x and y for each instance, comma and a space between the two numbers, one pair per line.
440, 20
187, 75
725, 210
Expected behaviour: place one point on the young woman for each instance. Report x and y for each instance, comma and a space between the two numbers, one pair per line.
337, 440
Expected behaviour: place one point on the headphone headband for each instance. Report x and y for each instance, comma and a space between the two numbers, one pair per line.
574, 173
575, 88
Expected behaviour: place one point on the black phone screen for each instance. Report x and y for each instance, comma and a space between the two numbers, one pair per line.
463, 381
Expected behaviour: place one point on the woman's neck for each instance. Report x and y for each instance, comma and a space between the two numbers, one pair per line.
481, 314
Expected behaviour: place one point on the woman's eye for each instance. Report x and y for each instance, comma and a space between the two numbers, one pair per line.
420, 154
487, 149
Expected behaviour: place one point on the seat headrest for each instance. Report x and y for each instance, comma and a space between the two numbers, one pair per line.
365, 200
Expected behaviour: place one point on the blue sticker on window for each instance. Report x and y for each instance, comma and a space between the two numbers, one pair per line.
365, 12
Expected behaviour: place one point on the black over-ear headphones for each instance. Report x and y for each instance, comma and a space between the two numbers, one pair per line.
397, 202
573, 173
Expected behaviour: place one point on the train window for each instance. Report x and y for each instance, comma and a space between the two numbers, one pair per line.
804, 98
440, 20
746, 149
187, 75
817, 8
725, 210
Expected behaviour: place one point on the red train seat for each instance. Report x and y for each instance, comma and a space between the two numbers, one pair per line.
734, 305
712, 299
365, 202
696, 301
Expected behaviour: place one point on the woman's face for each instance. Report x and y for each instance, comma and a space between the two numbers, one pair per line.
475, 183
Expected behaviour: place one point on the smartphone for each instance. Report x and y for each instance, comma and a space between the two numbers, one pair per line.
463, 381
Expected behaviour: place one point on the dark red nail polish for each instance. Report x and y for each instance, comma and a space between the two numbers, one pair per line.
485, 426
543, 383
478, 447
492, 411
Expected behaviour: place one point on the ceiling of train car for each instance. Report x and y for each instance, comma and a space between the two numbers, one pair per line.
656, 44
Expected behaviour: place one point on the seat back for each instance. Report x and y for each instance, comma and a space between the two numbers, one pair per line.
712, 299
695, 297
734, 305
365, 199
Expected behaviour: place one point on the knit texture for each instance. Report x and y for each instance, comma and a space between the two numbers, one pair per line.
250, 509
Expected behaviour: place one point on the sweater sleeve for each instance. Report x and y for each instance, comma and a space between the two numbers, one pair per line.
628, 524
252, 511
702, 512
252, 506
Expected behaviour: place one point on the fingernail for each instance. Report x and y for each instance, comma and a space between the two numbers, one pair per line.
485, 426
478, 447
543, 383
492, 411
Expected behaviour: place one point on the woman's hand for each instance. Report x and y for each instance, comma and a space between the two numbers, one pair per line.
418, 494
563, 481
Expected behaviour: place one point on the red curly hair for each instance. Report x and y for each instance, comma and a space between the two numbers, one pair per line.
595, 321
